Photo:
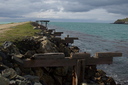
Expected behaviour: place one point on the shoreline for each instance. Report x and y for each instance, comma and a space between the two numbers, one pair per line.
65, 47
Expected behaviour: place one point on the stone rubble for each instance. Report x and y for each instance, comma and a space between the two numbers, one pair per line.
11, 73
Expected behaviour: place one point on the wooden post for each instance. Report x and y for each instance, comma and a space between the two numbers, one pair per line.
74, 78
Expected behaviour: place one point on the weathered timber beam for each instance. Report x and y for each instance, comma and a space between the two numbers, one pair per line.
108, 54
91, 60
80, 55
58, 39
70, 39
50, 62
57, 33
44, 20
51, 30
49, 56
96, 61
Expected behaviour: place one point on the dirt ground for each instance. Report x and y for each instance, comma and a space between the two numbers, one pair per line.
5, 27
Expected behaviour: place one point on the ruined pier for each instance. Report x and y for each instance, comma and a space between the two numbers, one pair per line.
62, 64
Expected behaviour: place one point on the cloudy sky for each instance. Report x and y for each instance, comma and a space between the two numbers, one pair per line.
70, 10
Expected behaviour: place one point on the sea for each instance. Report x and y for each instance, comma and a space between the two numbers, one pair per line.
100, 37
4, 22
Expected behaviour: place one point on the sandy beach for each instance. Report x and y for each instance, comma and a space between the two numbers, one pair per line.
5, 27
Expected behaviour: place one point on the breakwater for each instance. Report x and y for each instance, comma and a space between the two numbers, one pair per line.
48, 59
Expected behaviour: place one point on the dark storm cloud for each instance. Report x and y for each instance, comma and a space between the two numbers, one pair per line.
112, 6
18, 8
11, 8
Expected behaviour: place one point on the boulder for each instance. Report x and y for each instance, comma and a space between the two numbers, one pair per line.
4, 81
46, 47
9, 73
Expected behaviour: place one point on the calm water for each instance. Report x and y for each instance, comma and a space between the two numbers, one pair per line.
101, 37
4, 22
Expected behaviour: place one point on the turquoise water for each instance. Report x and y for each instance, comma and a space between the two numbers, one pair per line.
4, 22
100, 37
105, 30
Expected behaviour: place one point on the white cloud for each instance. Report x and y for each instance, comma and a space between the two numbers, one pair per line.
96, 14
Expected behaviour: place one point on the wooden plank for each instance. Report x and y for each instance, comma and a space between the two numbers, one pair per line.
74, 38
80, 71
58, 39
50, 62
74, 77
51, 30
70, 39
108, 54
80, 55
95, 61
57, 33
49, 56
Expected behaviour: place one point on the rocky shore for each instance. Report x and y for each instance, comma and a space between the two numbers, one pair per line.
18, 64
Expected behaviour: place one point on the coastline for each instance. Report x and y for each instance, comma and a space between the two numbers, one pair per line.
49, 45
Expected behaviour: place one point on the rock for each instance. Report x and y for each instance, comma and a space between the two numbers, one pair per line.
44, 38
7, 44
38, 83
100, 73
32, 78
18, 55
64, 49
9, 73
2, 67
10, 48
19, 80
111, 81
3, 56
74, 49
4, 81
46, 47
38, 38
29, 54
28, 43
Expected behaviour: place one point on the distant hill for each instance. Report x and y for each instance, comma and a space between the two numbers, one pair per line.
121, 21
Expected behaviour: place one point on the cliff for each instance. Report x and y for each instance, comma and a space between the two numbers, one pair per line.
121, 21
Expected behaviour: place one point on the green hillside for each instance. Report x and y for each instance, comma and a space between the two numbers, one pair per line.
121, 21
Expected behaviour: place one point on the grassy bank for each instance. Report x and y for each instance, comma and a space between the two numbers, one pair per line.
17, 32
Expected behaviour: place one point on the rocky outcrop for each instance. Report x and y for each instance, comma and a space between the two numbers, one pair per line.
121, 21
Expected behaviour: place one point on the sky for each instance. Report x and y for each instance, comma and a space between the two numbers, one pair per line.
63, 10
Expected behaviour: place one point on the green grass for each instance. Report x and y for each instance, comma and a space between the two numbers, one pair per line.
125, 20
18, 32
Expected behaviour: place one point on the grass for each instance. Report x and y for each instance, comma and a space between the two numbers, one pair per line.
124, 20
18, 32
